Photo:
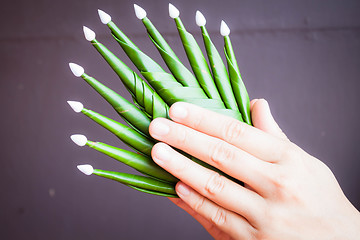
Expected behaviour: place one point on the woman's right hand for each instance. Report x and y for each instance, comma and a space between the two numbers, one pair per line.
288, 193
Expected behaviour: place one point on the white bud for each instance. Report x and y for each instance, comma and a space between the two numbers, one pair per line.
79, 139
104, 17
224, 29
86, 169
200, 19
173, 11
76, 106
139, 12
89, 34
76, 69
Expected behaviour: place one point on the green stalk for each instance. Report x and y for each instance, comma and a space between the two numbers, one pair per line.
144, 184
145, 64
164, 83
126, 134
154, 192
142, 93
238, 86
141, 163
180, 72
219, 72
212, 92
130, 113
197, 61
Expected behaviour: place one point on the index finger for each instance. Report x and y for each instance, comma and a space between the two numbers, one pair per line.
252, 140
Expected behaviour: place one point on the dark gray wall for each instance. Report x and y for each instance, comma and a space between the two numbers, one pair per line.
302, 56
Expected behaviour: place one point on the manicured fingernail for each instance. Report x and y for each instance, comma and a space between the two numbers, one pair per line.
178, 111
161, 154
159, 128
182, 189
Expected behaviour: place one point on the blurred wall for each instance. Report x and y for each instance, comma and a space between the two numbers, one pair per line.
302, 56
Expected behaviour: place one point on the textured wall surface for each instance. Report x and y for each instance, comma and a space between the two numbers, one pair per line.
302, 56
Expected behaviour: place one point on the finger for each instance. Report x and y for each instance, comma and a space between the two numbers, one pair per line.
211, 228
208, 183
263, 119
252, 140
214, 151
227, 221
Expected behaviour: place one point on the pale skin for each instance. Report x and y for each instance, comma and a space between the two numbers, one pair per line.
288, 193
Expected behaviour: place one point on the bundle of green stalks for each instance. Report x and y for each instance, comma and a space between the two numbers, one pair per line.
216, 88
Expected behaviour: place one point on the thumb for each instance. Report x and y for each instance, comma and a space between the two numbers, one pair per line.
263, 119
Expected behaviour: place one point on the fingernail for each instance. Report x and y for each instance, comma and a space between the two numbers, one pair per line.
161, 154
159, 128
178, 111
182, 189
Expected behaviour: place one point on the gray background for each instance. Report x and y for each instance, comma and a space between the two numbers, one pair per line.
302, 56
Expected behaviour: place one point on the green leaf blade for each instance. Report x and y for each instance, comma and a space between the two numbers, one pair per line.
137, 181
138, 88
197, 61
129, 136
140, 163
237, 83
180, 72
126, 110
219, 72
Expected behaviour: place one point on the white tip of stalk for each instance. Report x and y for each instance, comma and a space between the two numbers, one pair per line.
76, 106
104, 17
200, 19
89, 34
86, 169
76, 69
79, 139
173, 11
224, 29
139, 12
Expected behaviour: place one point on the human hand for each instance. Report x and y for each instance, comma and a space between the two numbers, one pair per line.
288, 194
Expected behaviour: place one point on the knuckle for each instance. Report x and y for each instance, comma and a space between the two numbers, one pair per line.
284, 187
221, 153
233, 131
219, 218
197, 121
181, 167
215, 184
182, 137
280, 181
289, 153
199, 205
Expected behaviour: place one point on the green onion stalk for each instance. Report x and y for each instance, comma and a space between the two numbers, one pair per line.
163, 81
140, 183
165, 84
238, 86
141, 163
154, 101
129, 136
177, 68
196, 59
218, 68
143, 95
129, 112
136, 141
